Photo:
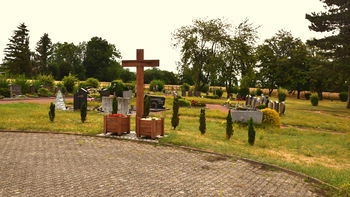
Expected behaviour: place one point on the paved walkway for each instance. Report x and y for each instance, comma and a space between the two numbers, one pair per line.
70, 165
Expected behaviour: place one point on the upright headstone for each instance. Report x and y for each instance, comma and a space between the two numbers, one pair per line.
282, 108
107, 104
277, 106
59, 103
190, 93
15, 89
254, 102
273, 105
79, 98
247, 101
184, 93
258, 101
123, 105
127, 94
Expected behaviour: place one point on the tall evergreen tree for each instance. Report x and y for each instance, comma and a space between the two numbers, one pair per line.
43, 51
175, 118
335, 19
17, 52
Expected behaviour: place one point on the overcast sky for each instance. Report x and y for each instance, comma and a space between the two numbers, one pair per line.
147, 24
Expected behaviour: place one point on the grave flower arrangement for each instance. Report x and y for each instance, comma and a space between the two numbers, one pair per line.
197, 104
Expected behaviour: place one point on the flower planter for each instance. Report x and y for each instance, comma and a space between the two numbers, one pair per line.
117, 124
150, 127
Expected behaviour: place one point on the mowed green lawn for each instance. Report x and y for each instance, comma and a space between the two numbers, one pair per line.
314, 140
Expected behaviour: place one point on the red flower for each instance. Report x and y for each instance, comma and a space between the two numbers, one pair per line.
117, 115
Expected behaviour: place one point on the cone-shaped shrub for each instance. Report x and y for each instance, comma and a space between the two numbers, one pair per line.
202, 126
83, 113
52, 112
229, 123
282, 94
251, 132
115, 105
146, 105
175, 119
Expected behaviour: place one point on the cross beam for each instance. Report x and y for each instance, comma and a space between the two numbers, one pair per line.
140, 63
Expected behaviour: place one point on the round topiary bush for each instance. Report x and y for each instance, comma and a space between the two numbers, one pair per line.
92, 82
43, 92
219, 93
243, 92
117, 87
156, 85
343, 96
271, 117
46, 80
205, 88
314, 99
234, 90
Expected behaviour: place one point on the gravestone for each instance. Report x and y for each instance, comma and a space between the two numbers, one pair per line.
247, 101
273, 105
123, 105
254, 102
15, 89
157, 102
107, 103
79, 98
127, 94
263, 100
244, 116
267, 101
277, 106
59, 103
184, 93
190, 93
258, 101
282, 108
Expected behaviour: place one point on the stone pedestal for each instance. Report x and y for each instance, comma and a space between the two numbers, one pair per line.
244, 116
59, 103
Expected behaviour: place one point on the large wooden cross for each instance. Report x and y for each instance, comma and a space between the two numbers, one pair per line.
139, 63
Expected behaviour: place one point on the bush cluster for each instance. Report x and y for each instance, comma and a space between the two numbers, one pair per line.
271, 117
117, 87
343, 96
156, 85
43, 92
243, 92
212, 97
69, 82
46, 80
5, 92
259, 92
185, 87
183, 102
219, 93
233, 90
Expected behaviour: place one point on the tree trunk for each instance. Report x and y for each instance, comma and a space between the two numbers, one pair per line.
348, 105
298, 96
270, 92
320, 96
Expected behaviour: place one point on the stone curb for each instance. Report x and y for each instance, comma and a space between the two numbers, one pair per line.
314, 180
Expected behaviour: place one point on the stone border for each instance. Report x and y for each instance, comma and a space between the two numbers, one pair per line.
156, 142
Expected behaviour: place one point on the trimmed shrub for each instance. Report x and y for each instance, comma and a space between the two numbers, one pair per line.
307, 96
219, 93
229, 127
4, 83
282, 94
46, 80
212, 97
234, 90
23, 82
185, 86
146, 105
205, 88
202, 124
129, 86
271, 117
175, 118
117, 87
92, 82
314, 99
243, 92
83, 112
183, 102
52, 112
259, 92
156, 85
261, 106
251, 132
343, 96
63, 88
114, 105
5, 92
43, 92
69, 82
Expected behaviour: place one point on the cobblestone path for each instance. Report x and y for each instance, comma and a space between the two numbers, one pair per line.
70, 165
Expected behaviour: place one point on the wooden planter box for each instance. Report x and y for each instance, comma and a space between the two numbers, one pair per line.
117, 125
150, 128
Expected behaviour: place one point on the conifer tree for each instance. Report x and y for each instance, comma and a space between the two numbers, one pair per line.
335, 46
114, 105
202, 124
43, 51
146, 105
251, 132
83, 112
52, 112
229, 123
17, 53
175, 118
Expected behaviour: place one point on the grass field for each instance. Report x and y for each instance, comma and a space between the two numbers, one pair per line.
314, 140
